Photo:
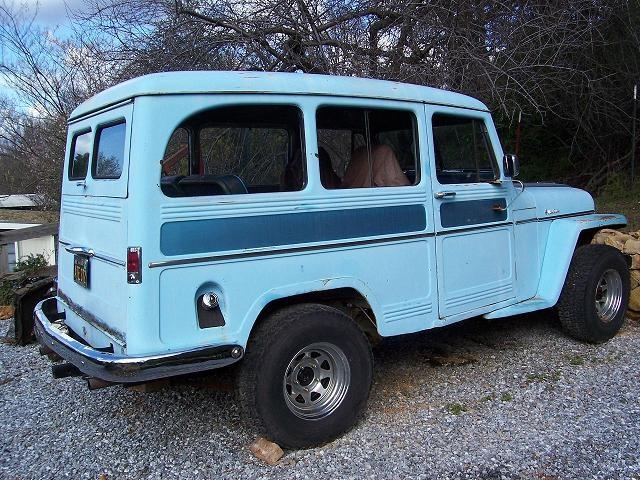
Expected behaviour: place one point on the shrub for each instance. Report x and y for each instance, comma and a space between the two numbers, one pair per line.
26, 266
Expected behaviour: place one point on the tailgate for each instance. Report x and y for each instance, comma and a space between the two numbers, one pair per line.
92, 263
93, 224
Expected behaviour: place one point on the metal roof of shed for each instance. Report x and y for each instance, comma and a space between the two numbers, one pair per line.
19, 200
269, 82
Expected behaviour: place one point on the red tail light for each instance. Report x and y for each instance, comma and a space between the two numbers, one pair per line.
134, 264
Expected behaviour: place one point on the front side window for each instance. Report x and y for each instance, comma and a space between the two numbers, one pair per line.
365, 148
462, 150
236, 150
79, 160
109, 151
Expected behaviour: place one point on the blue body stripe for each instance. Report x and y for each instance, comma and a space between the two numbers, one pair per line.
472, 212
224, 234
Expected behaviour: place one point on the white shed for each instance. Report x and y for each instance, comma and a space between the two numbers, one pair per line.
14, 251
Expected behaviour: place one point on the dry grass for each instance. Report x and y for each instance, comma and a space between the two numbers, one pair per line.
28, 216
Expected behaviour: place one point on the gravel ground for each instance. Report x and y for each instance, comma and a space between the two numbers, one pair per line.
511, 399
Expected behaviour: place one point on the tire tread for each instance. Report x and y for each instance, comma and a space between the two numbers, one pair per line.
277, 324
571, 305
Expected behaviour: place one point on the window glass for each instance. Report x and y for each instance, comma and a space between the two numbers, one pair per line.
257, 155
236, 150
462, 150
360, 148
109, 156
79, 161
176, 155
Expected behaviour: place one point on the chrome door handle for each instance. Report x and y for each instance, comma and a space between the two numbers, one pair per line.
444, 194
87, 252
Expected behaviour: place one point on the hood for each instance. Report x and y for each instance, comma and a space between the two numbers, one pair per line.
554, 200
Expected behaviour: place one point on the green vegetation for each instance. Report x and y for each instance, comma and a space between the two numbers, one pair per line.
31, 263
618, 196
550, 377
25, 266
506, 397
455, 408
576, 360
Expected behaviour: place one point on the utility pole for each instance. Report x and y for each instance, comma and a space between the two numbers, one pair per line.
518, 133
633, 134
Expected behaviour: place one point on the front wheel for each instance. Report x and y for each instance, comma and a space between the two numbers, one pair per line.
306, 376
595, 294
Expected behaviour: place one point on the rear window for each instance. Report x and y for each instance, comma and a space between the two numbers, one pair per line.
79, 160
109, 151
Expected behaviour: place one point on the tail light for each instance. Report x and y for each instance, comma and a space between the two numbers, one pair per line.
134, 264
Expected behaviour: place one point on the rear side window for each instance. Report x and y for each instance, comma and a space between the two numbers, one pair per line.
366, 148
176, 155
79, 160
109, 151
236, 150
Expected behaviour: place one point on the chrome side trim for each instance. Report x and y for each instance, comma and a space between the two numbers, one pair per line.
556, 217
89, 252
123, 368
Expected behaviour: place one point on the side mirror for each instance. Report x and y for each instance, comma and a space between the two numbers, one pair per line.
511, 165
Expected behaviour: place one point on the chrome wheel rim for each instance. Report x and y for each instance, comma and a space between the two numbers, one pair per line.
316, 381
608, 295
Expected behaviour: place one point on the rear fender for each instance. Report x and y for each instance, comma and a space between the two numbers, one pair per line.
298, 289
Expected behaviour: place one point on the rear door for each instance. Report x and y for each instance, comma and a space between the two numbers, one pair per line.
93, 219
474, 233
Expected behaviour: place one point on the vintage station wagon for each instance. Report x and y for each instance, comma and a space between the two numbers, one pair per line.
277, 221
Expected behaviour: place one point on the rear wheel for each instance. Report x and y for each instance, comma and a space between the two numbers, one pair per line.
595, 294
306, 376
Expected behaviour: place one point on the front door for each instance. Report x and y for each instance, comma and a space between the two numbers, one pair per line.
474, 233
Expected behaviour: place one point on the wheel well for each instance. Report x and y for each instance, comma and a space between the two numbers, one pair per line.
586, 236
349, 300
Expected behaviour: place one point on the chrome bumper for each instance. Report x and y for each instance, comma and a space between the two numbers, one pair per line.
49, 331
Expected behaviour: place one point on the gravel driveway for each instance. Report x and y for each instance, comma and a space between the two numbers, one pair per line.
501, 400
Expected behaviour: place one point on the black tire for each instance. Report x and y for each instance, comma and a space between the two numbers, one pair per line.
267, 382
595, 295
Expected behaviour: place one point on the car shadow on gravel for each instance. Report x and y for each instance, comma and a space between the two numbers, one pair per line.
405, 364
412, 371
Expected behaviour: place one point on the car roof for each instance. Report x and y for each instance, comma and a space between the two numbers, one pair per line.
203, 82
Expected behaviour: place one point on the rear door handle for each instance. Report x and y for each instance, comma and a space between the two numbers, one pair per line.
87, 252
444, 194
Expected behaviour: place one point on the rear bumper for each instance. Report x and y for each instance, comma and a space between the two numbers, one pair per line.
51, 332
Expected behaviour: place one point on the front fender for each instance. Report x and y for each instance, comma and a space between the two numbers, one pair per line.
562, 239
561, 243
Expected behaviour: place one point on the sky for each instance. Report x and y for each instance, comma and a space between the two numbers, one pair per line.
51, 14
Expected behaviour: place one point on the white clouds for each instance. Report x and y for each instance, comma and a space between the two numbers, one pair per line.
52, 13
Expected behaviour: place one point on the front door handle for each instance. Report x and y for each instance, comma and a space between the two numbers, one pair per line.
444, 194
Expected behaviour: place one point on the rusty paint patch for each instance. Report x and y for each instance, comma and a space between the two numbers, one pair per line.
92, 320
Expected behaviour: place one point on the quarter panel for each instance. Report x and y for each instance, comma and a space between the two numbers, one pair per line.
381, 272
